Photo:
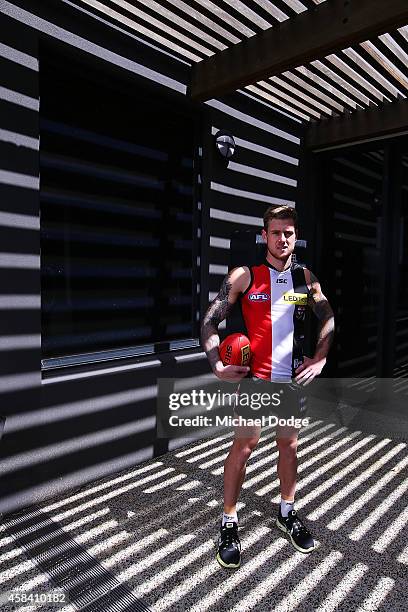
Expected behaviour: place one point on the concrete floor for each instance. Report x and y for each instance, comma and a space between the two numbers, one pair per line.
154, 529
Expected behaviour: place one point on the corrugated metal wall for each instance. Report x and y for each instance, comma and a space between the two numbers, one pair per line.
83, 425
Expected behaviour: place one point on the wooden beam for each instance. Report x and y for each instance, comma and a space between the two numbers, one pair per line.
333, 25
385, 120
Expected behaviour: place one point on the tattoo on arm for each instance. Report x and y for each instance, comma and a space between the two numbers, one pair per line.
323, 311
216, 312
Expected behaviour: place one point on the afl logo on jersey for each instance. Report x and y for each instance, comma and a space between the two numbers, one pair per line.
259, 297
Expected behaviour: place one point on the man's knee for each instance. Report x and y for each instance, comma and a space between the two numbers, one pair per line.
287, 446
245, 446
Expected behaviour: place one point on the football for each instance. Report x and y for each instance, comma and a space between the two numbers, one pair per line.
235, 349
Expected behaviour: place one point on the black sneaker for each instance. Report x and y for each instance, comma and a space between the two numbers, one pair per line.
229, 546
298, 532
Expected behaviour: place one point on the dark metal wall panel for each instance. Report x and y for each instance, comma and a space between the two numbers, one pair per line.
15, 196
20, 376
17, 361
15, 323
20, 119
17, 279
84, 429
26, 239
16, 157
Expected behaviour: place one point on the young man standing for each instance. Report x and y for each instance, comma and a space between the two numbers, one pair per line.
274, 297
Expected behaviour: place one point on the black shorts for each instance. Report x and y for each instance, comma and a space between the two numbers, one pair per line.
286, 399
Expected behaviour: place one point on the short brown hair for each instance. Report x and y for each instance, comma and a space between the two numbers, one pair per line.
280, 212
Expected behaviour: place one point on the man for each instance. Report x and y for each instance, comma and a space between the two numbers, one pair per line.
274, 297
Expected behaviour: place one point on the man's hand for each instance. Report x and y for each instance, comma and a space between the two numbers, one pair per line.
231, 373
308, 370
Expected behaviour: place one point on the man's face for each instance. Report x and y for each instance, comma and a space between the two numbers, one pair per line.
280, 238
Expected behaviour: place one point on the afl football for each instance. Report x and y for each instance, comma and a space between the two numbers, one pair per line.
235, 350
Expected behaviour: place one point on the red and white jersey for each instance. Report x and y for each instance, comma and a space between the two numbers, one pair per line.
274, 309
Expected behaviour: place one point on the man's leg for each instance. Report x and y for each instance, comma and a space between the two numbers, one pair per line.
245, 440
229, 547
286, 441
288, 520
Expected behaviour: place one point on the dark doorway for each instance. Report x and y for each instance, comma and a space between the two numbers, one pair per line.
362, 255
401, 330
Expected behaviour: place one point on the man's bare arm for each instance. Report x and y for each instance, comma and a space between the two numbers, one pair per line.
323, 311
235, 282
216, 312
312, 367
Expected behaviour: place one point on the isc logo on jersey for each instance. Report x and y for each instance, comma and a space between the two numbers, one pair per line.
259, 297
295, 298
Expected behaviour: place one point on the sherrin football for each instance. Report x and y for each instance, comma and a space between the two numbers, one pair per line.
235, 349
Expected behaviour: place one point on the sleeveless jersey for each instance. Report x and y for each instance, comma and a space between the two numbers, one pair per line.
274, 310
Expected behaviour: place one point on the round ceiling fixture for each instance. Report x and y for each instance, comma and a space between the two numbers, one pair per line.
225, 143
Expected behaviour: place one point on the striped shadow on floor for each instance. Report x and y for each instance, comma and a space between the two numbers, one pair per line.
88, 585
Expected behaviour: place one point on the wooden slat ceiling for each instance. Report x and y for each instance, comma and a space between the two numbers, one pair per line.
196, 29
367, 74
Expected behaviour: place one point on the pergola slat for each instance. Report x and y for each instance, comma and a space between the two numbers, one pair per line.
371, 73
314, 90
